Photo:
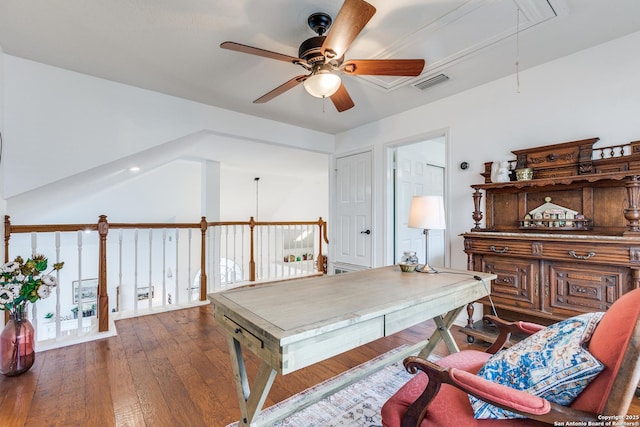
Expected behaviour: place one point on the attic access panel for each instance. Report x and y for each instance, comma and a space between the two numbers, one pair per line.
451, 34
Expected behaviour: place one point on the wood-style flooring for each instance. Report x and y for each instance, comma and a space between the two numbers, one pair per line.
167, 369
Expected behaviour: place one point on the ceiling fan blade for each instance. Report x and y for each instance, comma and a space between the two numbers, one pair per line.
281, 89
383, 67
260, 52
341, 99
351, 19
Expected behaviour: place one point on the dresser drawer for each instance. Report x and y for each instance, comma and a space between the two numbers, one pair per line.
577, 288
499, 247
516, 284
585, 252
575, 251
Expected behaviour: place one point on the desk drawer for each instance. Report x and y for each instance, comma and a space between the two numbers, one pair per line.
412, 315
308, 351
243, 335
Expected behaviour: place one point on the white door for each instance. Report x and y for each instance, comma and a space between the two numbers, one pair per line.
416, 177
353, 210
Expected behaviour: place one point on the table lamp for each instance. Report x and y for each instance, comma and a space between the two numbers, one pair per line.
427, 212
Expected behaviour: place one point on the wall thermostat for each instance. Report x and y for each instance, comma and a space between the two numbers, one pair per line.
464, 166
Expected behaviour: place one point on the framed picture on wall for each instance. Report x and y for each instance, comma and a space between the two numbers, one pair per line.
89, 289
143, 293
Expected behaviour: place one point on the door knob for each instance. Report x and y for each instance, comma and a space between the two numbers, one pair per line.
365, 232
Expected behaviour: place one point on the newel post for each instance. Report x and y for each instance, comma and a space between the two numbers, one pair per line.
103, 297
203, 259
322, 260
7, 236
252, 261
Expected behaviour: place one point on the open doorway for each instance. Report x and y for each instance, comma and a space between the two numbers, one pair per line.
419, 169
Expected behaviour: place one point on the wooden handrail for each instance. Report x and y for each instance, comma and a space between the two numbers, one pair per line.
103, 227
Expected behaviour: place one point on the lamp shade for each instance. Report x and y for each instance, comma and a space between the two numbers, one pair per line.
427, 212
322, 84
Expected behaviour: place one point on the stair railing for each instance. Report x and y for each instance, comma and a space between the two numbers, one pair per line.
230, 253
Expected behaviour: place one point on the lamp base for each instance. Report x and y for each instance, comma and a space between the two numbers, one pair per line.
426, 269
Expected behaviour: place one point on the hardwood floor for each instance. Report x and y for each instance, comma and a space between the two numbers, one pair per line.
168, 369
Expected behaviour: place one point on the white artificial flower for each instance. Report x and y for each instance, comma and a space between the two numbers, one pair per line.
10, 267
6, 296
43, 291
15, 288
49, 280
19, 277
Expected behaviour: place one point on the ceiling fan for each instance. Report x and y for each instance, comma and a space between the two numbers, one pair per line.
323, 56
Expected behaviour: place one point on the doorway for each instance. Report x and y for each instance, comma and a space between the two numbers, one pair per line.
354, 233
419, 169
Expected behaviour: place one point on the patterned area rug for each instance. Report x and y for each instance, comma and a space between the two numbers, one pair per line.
357, 405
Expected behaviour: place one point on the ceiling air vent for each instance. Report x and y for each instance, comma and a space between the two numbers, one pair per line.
431, 81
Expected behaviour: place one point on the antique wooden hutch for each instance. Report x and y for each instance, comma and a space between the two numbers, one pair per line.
563, 243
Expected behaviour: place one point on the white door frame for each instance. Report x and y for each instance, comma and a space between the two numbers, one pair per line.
389, 190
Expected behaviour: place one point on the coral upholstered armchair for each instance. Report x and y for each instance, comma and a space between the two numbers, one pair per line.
442, 394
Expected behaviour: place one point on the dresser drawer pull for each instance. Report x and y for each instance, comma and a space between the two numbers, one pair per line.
587, 256
499, 251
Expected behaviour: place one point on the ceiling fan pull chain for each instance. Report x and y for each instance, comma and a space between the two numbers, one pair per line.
518, 50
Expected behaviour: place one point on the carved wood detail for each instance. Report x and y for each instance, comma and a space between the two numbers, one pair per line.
548, 275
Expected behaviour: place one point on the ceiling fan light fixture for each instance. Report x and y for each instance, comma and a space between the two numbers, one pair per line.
322, 84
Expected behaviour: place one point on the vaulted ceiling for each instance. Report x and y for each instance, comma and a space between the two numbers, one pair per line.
172, 47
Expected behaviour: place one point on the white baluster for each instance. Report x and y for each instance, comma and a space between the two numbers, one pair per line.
243, 259
226, 254
189, 277
177, 275
269, 258
164, 267
289, 247
80, 302
34, 310
34, 243
57, 319
233, 258
150, 285
135, 272
120, 284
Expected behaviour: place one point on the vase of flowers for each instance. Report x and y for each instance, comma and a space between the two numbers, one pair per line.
22, 283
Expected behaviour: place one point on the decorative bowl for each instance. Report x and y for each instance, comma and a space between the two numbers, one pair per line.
524, 174
407, 267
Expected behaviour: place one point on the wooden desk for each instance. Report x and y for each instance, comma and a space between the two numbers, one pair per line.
296, 323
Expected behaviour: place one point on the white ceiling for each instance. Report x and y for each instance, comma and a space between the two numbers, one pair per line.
172, 46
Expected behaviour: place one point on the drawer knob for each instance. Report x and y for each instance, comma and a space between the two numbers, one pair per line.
504, 250
587, 256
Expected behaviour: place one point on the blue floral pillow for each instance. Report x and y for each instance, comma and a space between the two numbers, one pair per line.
552, 363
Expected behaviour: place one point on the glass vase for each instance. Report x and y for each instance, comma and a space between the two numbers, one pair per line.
409, 257
16, 345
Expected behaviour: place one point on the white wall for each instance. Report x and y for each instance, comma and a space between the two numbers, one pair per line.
3, 203
279, 196
169, 193
591, 93
70, 138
